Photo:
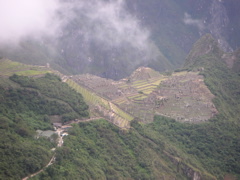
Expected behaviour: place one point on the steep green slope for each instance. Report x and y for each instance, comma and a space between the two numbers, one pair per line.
27, 104
221, 148
233, 60
51, 87
223, 82
213, 145
98, 150
165, 148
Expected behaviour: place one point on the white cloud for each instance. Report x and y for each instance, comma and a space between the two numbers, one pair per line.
195, 22
109, 22
105, 21
22, 18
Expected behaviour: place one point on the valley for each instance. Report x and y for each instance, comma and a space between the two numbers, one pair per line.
120, 90
158, 121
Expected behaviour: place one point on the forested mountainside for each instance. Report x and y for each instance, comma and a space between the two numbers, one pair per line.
29, 104
208, 150
163, 148
113, 38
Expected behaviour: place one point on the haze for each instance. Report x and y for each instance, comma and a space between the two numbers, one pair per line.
104, 21
20, 19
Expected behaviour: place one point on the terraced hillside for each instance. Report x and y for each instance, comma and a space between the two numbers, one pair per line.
100, 106
182, 96
8, 68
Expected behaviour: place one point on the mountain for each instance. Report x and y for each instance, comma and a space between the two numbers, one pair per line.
209, 148
129, 144
114, 38
29, 104
32, 99
206, 46
136, 116
220, 75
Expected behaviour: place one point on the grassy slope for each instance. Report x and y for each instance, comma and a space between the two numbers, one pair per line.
8, 68
121, 118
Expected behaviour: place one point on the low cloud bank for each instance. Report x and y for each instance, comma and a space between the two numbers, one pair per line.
105, 21
28, 18
195, 22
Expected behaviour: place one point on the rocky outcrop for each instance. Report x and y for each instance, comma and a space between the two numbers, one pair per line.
219, 24
187, 170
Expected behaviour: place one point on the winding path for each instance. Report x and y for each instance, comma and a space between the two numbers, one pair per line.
50, 163
60, 143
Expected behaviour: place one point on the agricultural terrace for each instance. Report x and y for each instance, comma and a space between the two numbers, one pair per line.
102, 106
182, 96
8, 68
126, 95
90, 97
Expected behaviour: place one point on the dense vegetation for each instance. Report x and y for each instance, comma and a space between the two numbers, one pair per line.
214, 144
223, 82
51, 86
23, 110
164, 149
99, 150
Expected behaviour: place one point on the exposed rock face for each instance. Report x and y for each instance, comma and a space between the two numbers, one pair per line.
187, 170
219, 23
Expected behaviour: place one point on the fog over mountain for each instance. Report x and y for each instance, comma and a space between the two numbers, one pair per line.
111, 38
195, 22
120, 89
21, 19
107, 22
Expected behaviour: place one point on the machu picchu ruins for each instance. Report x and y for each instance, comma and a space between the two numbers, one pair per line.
181, 95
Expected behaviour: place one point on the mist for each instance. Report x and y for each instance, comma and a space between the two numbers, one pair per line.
28, 18
104, 34
110, 23
194, 22
105, 21
84, 33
